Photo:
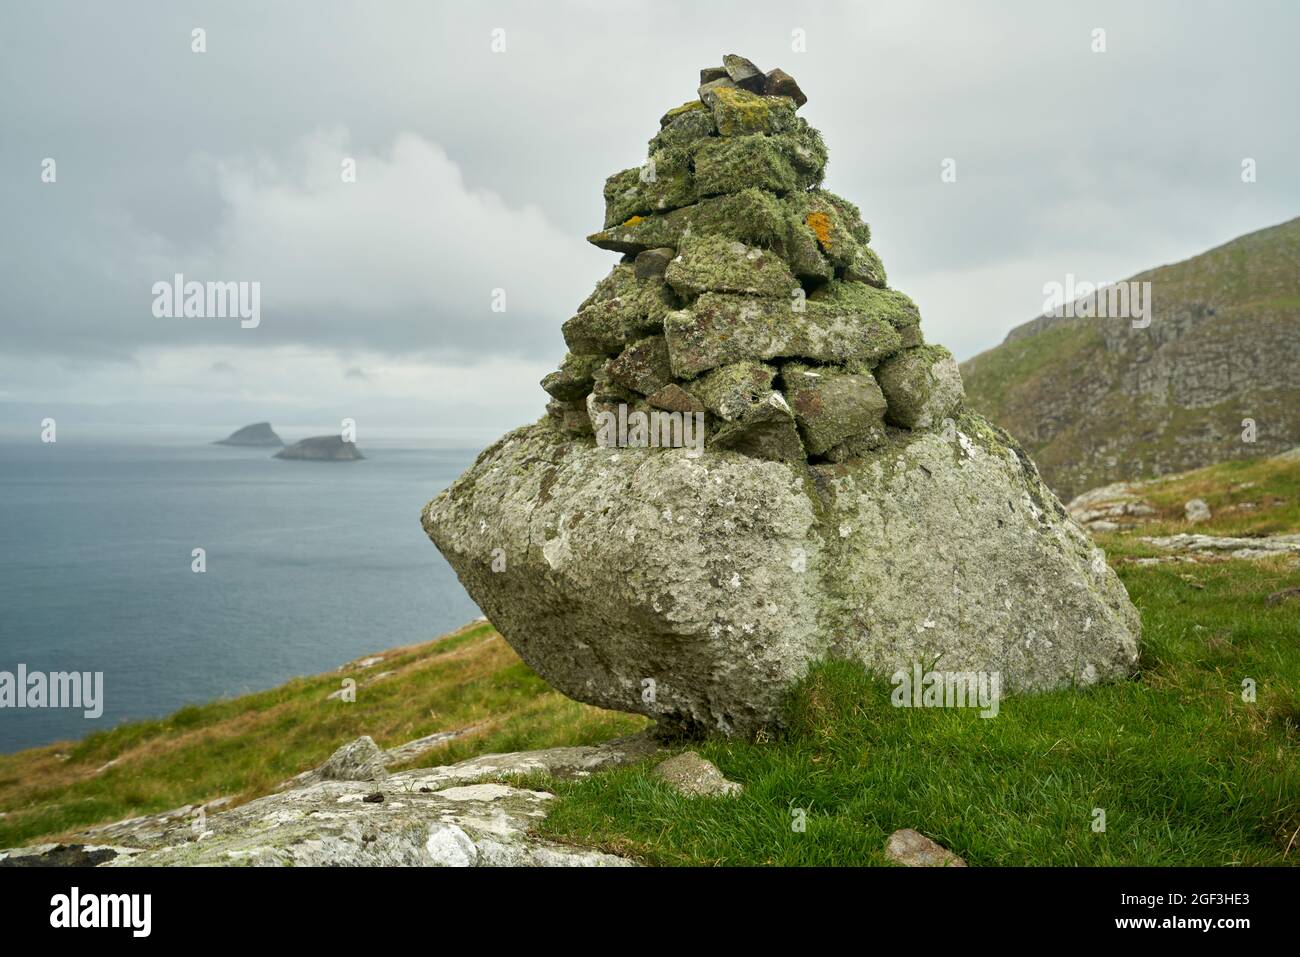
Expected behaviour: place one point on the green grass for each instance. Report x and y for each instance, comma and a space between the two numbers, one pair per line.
1187, 773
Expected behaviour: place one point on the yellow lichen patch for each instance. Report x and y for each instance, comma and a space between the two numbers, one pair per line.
633, 220
677, 111
820, 224
743, 112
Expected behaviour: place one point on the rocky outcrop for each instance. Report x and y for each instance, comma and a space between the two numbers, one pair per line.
258, 435
1212, 374
350, 813
322, 448
838, 503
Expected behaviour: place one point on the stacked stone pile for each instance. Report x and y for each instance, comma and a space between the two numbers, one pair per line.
747, 292
842, 504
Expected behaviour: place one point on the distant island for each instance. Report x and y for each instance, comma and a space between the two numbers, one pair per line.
258, 435
322, 448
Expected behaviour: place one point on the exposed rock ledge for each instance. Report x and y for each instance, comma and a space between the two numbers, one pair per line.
458, 815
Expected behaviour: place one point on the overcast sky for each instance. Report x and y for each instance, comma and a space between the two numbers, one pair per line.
478, 171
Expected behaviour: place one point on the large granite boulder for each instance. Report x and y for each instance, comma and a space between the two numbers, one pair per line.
834, 501
697, 588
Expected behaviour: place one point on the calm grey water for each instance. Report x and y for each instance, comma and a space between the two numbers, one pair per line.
309, 565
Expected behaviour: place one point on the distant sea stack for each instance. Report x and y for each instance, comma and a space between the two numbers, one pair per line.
258, 435
322, 448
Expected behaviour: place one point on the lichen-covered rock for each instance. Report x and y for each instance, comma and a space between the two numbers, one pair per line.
866, 301
859, 444
622, 310
720, 328
752, 215
778, 164
456, 815
574, 377
643, 366
663, 182
570, 416
697, 589
717, 264
732, 391
359, 760
691, 775
922, 386
683, 126
737, 112
767, 430
653, 262
707, 88
831, 405
841, 234
673, 398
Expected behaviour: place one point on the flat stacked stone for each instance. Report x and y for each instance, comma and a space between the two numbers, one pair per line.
748, 291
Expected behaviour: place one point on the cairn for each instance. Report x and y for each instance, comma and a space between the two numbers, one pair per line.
747, 294
841, 504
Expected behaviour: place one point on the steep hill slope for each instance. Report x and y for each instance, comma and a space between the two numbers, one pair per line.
1097, 400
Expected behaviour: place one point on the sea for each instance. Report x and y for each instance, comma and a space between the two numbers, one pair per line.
307, 566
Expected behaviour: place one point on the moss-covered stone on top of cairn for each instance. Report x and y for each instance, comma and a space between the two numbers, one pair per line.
748, 291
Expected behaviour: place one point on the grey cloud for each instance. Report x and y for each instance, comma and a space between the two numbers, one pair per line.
169, 160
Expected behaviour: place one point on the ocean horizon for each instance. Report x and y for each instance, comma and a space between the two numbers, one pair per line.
309, 565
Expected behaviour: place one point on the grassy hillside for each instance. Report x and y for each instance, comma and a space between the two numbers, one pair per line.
1186, 771
243, 747
1095, 400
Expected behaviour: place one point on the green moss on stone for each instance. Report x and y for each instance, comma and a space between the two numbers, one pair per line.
732, 391
752, 215
622, 309
574, 378
737, 112
712, 263
869, 302
720, 328
643, 366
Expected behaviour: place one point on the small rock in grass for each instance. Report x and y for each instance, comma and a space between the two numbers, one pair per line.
693, 776
913, 849
1197, 511
1286, 594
